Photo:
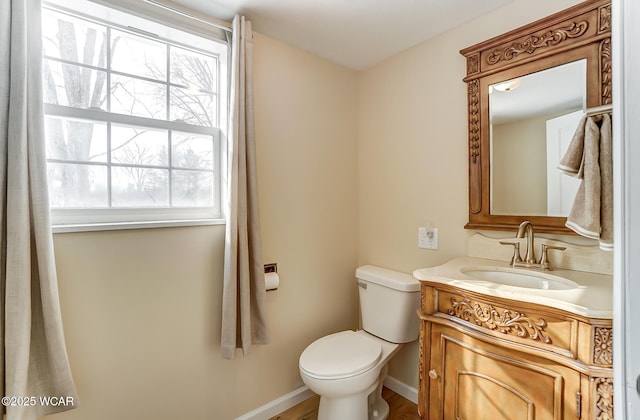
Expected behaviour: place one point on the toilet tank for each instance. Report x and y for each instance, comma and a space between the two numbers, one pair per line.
388, 303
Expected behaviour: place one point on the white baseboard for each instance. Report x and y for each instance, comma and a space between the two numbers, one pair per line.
278, 405
295, 397
401, 388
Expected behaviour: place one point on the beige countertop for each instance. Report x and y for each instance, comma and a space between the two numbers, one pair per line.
591, 297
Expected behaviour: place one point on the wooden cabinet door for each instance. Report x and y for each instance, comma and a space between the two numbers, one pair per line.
472, 379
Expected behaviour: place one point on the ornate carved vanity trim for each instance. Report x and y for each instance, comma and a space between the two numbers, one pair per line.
422, 369
603, 399
579, 32
505, 321
603, 346
516, 322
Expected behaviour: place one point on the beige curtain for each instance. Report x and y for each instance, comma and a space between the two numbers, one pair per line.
33, 357
243, 318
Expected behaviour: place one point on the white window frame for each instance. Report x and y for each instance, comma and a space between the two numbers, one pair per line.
66, 220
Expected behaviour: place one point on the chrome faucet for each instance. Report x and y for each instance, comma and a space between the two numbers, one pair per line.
526, 229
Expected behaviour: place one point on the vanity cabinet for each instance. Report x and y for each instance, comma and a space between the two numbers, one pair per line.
486, 357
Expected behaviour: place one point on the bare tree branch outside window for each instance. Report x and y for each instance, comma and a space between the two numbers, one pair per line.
144, 166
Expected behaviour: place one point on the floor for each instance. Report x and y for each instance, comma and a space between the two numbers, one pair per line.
400, 408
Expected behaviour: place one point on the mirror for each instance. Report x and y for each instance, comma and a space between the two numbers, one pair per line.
527, 90
531, 123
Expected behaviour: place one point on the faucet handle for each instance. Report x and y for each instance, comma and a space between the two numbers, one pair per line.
516, 258
544, 259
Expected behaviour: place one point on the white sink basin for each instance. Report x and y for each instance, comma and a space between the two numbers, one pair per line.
519, 278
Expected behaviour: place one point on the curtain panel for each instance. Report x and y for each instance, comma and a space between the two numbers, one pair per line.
33, 357
243, 313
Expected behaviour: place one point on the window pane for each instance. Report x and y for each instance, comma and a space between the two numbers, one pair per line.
193, 107
78, 140
194, 71
138, 97
140, 151
192, 151
192, 188
139, 146
138, 56
76, 86
139, 187
77, 186
73, 39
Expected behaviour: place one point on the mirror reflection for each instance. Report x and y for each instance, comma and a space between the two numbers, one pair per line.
532, 120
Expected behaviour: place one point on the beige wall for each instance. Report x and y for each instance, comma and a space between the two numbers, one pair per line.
412, 160
141, 308
519, 167
350, 164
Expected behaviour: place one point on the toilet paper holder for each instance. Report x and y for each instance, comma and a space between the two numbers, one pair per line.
272, 280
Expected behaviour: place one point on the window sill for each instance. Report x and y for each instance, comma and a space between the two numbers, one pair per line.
93, 227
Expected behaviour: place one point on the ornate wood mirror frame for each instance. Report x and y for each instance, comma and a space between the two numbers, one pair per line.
580, 32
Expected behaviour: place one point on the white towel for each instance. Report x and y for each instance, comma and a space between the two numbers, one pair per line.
589, 158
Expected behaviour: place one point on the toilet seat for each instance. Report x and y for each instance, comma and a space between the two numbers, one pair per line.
340, 355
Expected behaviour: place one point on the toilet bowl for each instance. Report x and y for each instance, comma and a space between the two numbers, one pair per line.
347, 368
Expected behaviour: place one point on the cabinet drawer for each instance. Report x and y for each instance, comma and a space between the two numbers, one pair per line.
505, 319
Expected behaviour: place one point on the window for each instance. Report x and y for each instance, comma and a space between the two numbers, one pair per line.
134, 117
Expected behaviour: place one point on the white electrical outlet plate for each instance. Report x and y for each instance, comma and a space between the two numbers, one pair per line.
422, 237
427, 238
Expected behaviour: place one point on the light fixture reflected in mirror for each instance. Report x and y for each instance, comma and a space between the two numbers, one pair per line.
508, 85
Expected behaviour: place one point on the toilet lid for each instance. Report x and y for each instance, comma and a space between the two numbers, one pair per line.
340, 355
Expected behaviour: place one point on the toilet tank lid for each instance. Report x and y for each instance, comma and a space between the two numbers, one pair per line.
388, 278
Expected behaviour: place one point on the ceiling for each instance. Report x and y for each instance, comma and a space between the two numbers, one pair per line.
353, 33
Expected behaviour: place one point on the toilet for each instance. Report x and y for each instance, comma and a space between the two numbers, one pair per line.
347, 368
